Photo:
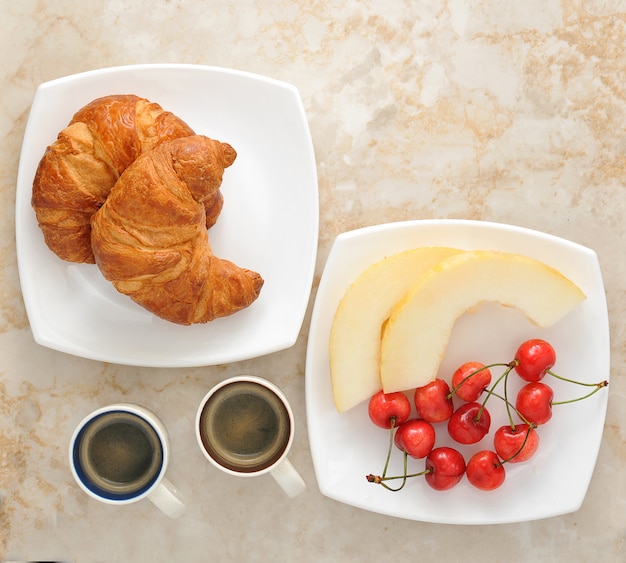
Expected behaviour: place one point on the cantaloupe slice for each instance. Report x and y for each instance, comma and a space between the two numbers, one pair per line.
356, 330
416, 335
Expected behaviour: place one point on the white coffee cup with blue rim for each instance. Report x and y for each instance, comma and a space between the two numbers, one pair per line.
119, 455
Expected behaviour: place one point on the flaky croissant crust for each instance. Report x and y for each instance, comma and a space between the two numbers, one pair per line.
150, 240
77, 172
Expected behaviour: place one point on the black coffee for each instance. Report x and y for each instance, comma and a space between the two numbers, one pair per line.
245, 427
119, 453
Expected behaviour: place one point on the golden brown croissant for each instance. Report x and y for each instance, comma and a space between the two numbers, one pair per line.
78, 170
149, 238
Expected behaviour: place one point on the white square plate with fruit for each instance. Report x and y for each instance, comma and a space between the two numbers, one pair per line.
346, 446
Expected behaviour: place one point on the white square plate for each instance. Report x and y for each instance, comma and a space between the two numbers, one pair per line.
346, 447
269, 222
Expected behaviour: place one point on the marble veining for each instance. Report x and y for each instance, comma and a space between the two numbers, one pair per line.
475, 109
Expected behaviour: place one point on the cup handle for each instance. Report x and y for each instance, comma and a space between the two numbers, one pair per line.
288, 478
167, 498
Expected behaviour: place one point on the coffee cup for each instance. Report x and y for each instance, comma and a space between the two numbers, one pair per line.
119, 455
245, 427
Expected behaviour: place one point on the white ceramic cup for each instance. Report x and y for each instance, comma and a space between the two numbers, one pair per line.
120, 436
276, 464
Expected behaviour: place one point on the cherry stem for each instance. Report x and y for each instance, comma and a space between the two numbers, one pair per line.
450, 395
392, 420
598, 387
380, 480
601, 384
506, 393
491, 390
510, 405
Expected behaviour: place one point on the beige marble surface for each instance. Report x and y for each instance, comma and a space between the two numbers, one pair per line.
503, 111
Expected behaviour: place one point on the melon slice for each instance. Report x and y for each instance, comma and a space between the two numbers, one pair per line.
357, 326
416, 335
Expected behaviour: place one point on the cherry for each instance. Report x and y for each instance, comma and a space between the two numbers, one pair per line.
416, 437
485, 470
469, 423
534, 358
389, 409
444, 468
470, 380
433, 402
534, 402
517, 443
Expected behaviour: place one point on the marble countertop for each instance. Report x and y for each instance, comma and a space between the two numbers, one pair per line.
457, 109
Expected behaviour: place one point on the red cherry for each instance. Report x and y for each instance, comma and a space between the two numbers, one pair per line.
469, 423
516, 444
470, 380
534, 402
485, 470
445, 467
534, 358
416, 437
432, 401
385, 407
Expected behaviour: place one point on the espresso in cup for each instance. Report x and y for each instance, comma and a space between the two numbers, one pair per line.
245, 427
118, 454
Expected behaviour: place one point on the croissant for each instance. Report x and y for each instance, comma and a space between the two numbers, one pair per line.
149, 238
78, 170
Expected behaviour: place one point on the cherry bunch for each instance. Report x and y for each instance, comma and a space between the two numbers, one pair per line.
470, 421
